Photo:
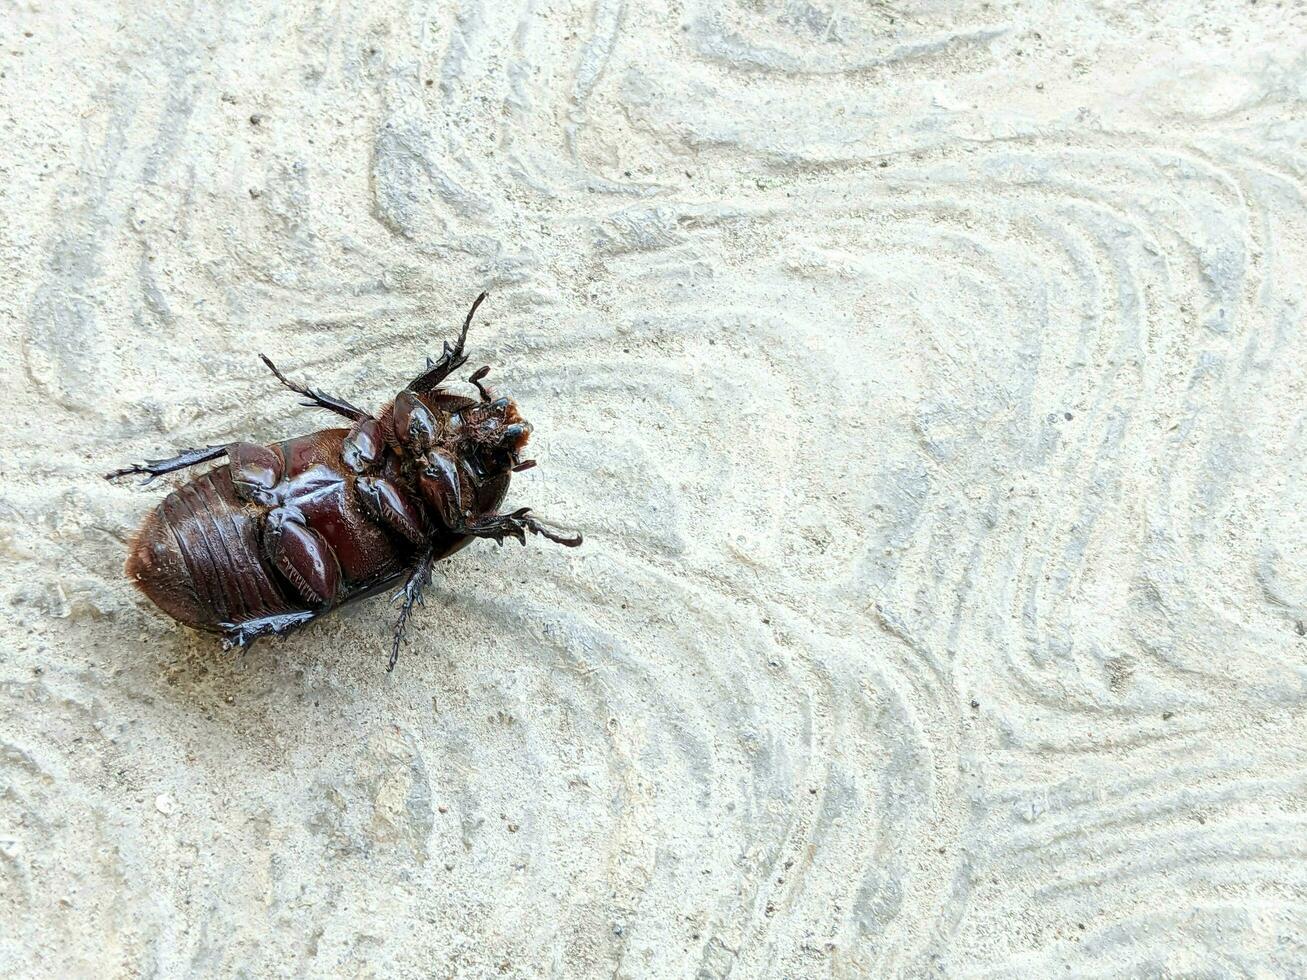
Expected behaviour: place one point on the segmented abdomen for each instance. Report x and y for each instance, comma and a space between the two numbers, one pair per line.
198, 557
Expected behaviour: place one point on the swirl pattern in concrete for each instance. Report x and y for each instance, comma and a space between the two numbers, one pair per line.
927, 379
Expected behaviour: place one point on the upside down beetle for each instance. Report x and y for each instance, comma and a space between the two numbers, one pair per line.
282, 533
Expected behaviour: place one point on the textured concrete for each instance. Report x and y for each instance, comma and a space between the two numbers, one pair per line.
928, 380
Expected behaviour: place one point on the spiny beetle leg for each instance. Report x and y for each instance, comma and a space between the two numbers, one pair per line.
412, 595
393, 507
515, 525
451, 358
158, 467
317, 399
242, 635
303, 557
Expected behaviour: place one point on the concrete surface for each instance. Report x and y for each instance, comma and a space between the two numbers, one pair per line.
928, 379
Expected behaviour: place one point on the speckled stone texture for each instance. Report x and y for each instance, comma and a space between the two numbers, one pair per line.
928, 380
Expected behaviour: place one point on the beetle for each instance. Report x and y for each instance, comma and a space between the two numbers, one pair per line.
283, 533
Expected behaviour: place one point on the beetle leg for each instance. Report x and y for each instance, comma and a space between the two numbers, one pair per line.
242, 635
413, 424
451, 358
515, 525
302, 556
364, 446
441, 486
317, 399
394, 508
158, 467
412, 596
255, 471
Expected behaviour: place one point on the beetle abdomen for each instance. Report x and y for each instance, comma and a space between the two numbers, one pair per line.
198, 558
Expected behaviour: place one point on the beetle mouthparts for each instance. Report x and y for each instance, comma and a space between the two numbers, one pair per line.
514, 436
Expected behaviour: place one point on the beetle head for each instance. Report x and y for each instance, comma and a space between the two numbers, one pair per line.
490, 434
493, 433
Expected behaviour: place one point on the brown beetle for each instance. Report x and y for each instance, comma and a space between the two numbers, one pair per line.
283, 533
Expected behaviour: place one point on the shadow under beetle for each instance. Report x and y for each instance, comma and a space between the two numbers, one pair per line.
283, 533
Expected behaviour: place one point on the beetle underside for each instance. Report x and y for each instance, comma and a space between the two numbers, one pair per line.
282, 533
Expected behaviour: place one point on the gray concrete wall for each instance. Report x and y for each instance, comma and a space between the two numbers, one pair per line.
927, 379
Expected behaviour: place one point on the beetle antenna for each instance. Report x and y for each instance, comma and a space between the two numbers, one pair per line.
481, 372
526, 464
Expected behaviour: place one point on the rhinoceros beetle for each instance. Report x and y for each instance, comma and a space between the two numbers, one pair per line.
282, 533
